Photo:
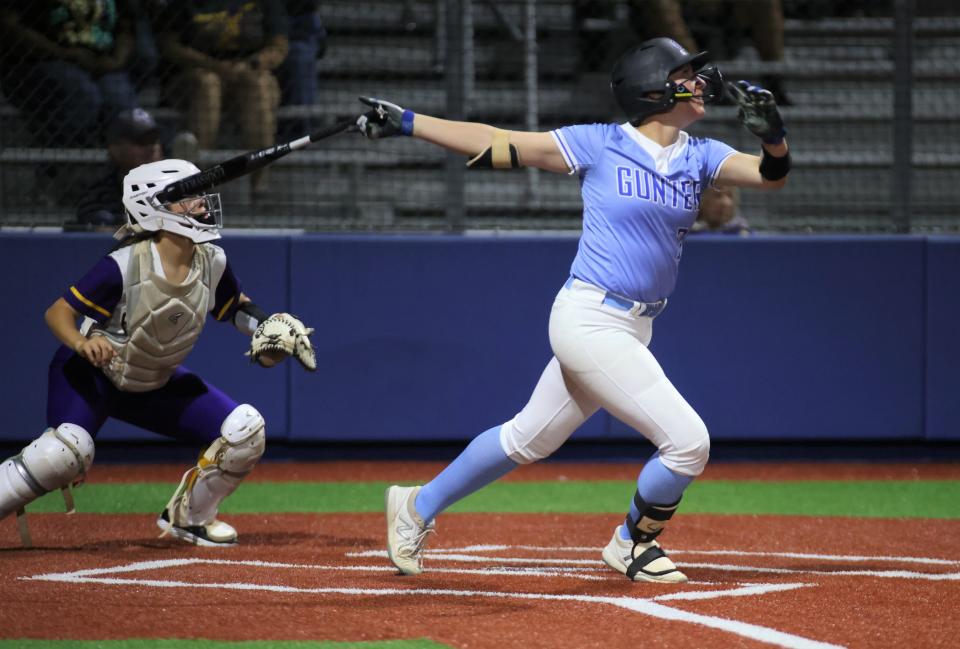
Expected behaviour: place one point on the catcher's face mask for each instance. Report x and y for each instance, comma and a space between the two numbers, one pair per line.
198, 218
199, 211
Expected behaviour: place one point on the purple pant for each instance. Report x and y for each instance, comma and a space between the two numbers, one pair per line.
187, 408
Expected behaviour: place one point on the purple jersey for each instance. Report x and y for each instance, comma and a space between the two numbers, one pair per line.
98, 293
186, 407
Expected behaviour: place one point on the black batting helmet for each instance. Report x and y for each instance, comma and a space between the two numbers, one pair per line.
646, 69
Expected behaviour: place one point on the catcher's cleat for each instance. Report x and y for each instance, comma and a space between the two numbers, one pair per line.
406, 531
215, 534
641, 561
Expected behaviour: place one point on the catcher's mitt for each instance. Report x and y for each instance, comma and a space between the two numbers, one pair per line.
279, 336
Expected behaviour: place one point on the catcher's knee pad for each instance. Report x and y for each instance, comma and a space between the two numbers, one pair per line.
241, 443
690, 458
58, 458
220, 469
526, 446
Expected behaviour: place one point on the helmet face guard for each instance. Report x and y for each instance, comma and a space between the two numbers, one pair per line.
712, 80
641, 82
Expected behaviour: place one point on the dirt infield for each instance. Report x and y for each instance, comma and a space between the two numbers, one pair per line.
755, 581
492, 580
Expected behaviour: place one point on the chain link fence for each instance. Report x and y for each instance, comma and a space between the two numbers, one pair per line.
870, 92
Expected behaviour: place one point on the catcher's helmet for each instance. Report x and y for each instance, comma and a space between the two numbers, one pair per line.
646, 69
202, 222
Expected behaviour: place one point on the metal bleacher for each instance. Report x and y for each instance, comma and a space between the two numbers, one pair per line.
837, 72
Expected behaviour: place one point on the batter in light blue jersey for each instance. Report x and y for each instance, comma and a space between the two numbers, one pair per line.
641, 183
639, 201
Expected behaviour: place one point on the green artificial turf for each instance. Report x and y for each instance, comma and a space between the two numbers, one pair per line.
867, 498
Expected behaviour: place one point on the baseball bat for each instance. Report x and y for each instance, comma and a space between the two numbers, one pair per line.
243, 164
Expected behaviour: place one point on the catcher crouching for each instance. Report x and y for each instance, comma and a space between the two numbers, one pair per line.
142, 308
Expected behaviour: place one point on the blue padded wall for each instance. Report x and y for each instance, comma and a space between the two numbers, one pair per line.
796, 337
943, 339
423, 337
439, 337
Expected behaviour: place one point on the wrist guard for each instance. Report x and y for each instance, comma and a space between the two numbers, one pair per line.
773, 168
406, 122
248, 316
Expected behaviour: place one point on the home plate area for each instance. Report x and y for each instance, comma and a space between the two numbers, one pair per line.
785, 599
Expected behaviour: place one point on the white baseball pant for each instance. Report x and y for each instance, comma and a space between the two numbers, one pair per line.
601, 360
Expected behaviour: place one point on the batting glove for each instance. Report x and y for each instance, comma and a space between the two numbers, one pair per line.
758, 111
385, 120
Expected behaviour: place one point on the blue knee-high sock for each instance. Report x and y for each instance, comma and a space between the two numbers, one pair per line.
657, 485
482, 462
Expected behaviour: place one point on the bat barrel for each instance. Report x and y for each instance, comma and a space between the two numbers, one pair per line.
192, 185
241, 165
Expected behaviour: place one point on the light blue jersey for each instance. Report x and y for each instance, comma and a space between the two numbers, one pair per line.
639, 202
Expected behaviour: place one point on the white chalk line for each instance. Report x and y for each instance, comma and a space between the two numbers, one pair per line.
883, 574
547, 567
852, 558
745, 629
499, 570
452, 556
645, 606
733, 553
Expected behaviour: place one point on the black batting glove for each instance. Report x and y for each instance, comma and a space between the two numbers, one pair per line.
758, 111
384, 120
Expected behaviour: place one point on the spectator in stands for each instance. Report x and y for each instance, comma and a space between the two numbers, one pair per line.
720, 22
224, 53
64, 66
133, 139
146, 57
298, 72
720, 212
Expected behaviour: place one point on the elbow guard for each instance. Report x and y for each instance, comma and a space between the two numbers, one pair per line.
772, 168
499, 155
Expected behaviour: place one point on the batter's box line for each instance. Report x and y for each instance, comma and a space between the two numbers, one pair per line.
853, 558
459, 555
512, 571
646, 606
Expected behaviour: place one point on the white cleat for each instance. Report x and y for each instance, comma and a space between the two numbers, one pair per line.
641, 561
406, 531
215, 534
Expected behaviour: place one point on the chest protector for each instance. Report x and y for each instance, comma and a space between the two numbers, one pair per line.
160, 322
